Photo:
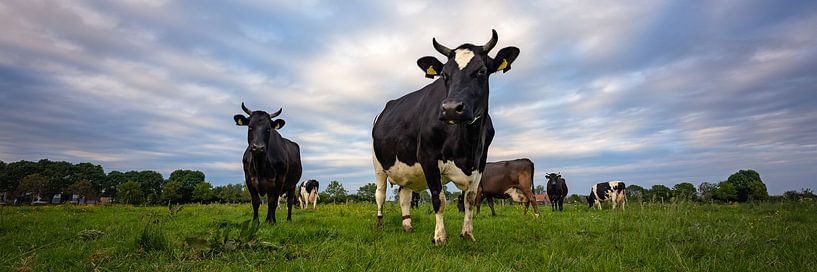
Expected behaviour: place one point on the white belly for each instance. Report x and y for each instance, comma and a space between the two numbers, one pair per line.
413, 177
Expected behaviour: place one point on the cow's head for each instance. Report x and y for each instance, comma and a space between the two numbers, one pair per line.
260, 126
465, 75
553, 177
590, 200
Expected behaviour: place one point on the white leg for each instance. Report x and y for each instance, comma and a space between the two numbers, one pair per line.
469, 200
439, 230
405, 208
380, 195
314, 197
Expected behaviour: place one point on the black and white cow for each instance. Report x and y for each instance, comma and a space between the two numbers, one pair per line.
439, 133
309, 193
612, 191
272, 164
557, 191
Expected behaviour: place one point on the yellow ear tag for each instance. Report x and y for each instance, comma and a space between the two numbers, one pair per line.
277, 125
431, 71
238, 121
503, 65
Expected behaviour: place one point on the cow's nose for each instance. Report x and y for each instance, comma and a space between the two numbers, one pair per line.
452, 106
256, 148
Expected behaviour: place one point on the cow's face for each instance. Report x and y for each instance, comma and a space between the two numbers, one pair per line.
260, 126
590, 201
465, 76
553, 177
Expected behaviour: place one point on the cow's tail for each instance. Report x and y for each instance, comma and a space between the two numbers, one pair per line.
531, 178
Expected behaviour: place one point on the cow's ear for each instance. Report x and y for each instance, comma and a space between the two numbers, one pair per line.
240, 120
504, 58
278, 123
431, 66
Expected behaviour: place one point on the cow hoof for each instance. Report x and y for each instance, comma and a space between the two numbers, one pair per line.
468, 236
438, 241
536, 215
408, 229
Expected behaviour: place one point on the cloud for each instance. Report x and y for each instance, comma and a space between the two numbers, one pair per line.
663, 92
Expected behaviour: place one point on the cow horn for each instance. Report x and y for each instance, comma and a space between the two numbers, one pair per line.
274, 114
490, 45
248, 111
441, 48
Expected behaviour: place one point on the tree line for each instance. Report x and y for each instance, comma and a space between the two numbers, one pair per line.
27, 181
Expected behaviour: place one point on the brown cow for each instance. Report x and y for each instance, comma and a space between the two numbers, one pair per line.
508, 179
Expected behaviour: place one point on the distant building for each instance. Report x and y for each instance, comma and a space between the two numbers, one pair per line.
541, 199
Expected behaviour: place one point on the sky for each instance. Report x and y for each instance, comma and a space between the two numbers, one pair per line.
647, 92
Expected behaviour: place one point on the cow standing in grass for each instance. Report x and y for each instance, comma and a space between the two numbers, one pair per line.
309, 193
613, 191
557, 191
439, 133
508, 179
272, 164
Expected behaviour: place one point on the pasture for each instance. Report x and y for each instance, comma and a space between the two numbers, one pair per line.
674, 237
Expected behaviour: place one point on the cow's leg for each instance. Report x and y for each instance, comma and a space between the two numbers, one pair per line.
380, 193
469, 198
531, 201
290, 202
561, 203
314, 197
256, 202
478, 200
491, 205
435, 186
272, 205
405, 208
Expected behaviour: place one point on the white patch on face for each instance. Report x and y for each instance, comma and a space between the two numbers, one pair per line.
450, 172
409, 176
516, 195
462, 57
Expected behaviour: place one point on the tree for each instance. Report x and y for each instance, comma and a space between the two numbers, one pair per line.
83, 189
151, 183
172, 192
748, 185
203, 192
34, 184
635, 192
188, 179
707, 190
660, 192
130, 192
15, 172
367, 192
336, 191
539, 189
425, 196
112, 180
726, 192
684, 190
93, 174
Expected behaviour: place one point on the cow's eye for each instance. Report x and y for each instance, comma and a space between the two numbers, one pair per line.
480, 73
250, 128
444, 75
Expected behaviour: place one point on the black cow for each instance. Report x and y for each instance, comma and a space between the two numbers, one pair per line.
557, 190
612, 191
441, 132
272, 164
309, 193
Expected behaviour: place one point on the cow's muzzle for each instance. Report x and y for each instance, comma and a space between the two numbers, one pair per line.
454, 112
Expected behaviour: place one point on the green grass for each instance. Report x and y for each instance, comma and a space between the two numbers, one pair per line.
676, 237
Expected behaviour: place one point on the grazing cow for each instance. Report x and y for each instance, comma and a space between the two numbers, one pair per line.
309, 193
611, 190
557, 190
272, 164
508, 179
439, 133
